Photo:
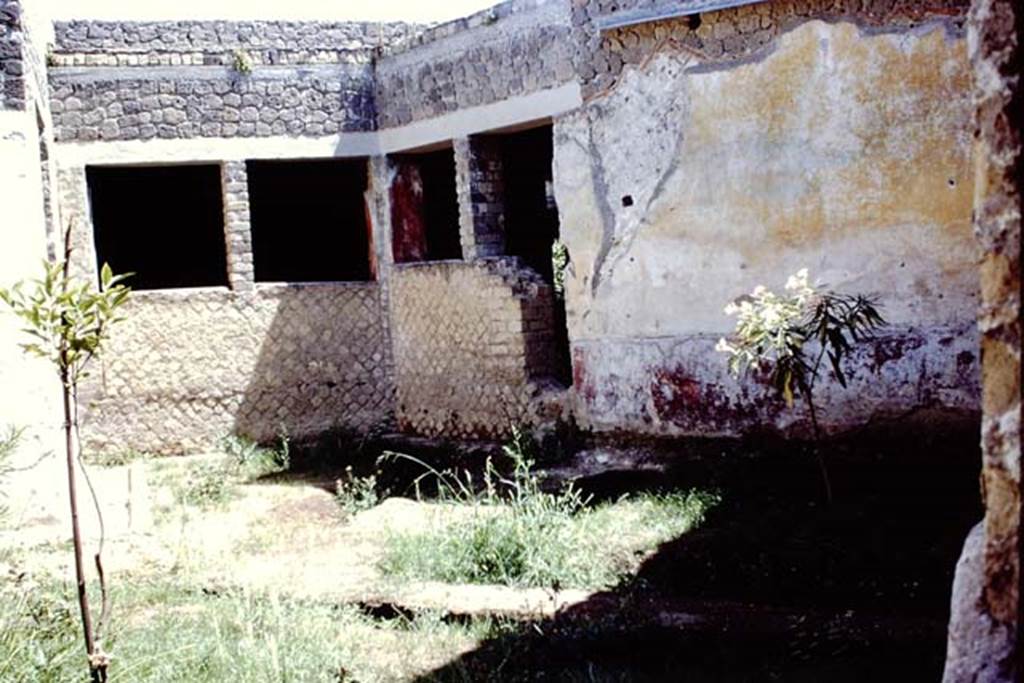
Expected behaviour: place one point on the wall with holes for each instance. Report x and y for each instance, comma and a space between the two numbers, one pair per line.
729, 152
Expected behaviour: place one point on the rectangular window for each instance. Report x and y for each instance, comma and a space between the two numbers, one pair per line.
309, 220
163, 223
425, 207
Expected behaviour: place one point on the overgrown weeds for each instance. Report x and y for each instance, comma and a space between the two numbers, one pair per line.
169, 632
211, 482
517, 534
356, 493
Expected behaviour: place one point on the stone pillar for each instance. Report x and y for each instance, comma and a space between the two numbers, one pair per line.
73, 194
237, 229
984, 634
481, 188
378, 204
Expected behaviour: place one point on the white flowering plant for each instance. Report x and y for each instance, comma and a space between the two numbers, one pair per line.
789, 335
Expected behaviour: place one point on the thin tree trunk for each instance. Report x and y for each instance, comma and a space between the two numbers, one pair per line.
97, 669
76, 533
817, 449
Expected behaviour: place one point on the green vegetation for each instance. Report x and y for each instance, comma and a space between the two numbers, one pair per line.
117, 458
170, 632
250, 461
8, 445
789, 335
517, 534
68, 323
210, 482
241, 62
355, 493
559, 265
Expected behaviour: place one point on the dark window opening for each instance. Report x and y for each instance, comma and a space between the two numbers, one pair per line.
425, 208
163, 223
309, 220
531, 218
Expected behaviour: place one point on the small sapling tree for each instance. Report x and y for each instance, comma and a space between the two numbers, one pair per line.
789, 335
68, 323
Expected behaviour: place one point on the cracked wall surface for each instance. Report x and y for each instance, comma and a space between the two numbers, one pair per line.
711, 153
840, 149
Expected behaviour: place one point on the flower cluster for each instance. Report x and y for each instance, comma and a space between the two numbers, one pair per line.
769, 326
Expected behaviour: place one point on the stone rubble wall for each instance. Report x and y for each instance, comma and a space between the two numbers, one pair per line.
469, 347
985, 624
191, 366
154, 38
648, 173
189, 102
12, 65
513, 49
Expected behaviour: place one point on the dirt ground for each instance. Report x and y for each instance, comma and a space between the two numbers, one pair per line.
805, 591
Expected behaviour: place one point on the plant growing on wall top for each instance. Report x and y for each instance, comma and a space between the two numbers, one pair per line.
68, 323
789, 336
241, 62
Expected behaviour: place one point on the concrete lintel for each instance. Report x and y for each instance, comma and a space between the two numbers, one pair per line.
215, 149
539, 105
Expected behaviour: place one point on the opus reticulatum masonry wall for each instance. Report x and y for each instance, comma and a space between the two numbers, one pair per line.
695, 156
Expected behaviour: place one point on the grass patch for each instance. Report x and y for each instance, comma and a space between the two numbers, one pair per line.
163, 632
114, 458
356, 493
9, 441
541, 545
211, 482
516, 534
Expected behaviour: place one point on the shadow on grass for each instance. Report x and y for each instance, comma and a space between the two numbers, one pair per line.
776, 585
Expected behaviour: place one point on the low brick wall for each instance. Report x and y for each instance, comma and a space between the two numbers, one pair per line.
190, 366
472, 346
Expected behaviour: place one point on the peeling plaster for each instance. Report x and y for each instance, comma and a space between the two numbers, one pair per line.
840, 149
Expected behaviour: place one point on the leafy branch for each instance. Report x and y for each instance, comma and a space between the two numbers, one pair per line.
789, 336
67, 323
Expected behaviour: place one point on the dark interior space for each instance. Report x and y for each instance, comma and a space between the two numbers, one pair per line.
425, 208
309, 221
165, 224
531, 217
